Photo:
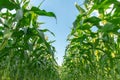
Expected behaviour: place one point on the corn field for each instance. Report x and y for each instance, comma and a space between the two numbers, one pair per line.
93, 52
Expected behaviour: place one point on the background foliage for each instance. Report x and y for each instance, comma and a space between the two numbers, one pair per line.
25, 52
94, 43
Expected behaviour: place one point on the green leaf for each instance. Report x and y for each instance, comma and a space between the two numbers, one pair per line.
26, 4
42, 12
30, 45
3, 44
8, 4
107, 27
41, 34
46, 30
86, 26
94, 20
80, 9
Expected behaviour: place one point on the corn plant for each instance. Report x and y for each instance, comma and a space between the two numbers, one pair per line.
25, 53
94, 54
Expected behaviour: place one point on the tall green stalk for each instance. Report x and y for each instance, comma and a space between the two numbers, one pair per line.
94, 54
25, 53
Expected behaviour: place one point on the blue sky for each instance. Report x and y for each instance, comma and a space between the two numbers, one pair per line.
66, 14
